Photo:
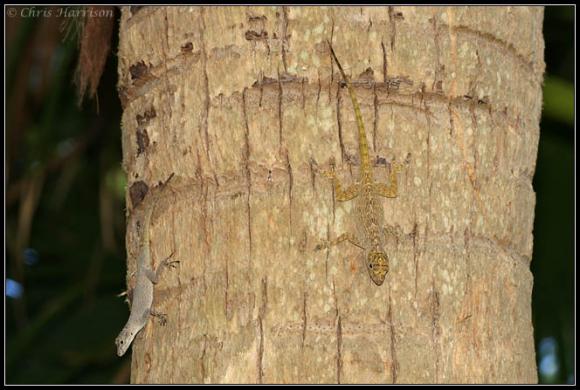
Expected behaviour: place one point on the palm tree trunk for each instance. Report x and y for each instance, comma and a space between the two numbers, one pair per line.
243, 105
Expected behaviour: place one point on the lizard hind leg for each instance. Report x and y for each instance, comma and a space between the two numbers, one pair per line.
326, 244
128, 294
162, 317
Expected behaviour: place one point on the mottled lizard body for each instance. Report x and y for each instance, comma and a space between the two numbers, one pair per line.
366, 194
142, 294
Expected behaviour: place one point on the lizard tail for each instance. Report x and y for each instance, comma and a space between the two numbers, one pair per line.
362, 138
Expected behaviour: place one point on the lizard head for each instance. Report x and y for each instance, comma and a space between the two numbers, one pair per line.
378, 266
124, 340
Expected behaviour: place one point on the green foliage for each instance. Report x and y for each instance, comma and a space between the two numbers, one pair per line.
559, 100
62, 163
553, 258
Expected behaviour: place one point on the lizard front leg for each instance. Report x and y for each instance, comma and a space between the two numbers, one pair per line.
154, 276
342, 195
388, 190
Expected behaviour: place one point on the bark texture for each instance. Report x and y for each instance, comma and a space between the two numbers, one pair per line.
243, 105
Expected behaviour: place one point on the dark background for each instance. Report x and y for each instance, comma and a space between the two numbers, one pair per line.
65, 215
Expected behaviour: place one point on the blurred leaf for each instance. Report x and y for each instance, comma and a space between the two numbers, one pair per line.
559, 100
22, 341
15, 50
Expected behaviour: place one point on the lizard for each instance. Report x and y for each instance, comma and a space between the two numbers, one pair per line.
366, 192
146, 278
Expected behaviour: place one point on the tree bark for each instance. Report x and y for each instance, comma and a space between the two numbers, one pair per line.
242, 104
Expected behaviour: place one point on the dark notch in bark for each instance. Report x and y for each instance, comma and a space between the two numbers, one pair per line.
142, 136
313, 168
135, 9
304, 319
138, 70
331, 62
261, 314
204, 208
290, 185
252, 35
143, 120
227, 285
142, 141
393, 27
437, 85
303, 94
415, 256
202, 359
338, 349
248, 173
261, 18
328, 252
435, 328
466, 243
137, 192
280, 113
257, 31
385, 63
338, 335
260, 368
318, 91
428, 140
205, 90
394, 361
187, 47
284, 36
339, 123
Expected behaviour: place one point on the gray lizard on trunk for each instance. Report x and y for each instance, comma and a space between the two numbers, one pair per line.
142, 295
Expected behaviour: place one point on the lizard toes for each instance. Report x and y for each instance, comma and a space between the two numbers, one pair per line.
163, 319
329, 174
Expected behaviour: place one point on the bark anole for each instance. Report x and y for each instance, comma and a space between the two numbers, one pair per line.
368, 207
142, 295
